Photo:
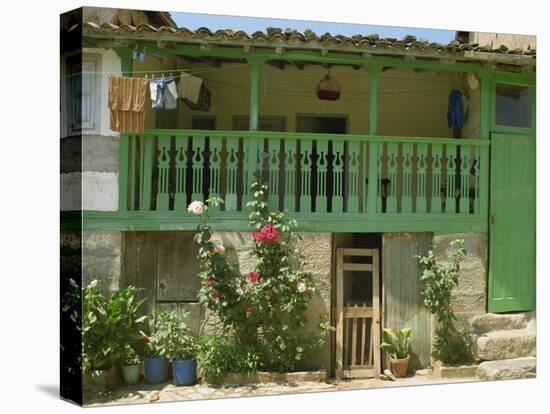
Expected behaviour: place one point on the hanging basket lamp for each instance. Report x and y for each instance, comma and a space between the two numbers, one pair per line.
328, 89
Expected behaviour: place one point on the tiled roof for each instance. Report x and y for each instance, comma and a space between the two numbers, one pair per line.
293, 39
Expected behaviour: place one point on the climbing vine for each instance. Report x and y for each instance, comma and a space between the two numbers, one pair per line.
452, 344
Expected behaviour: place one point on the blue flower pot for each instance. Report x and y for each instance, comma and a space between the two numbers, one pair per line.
156, 369
184, 372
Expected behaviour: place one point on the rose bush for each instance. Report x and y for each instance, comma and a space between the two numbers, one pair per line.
263, 311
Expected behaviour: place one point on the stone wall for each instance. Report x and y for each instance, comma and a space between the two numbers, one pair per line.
101, 259
470, 297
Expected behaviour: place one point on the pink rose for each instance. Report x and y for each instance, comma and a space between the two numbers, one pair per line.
253, 277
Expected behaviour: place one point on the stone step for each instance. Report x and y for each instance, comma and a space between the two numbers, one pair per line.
497, 345
508, 369
490, 322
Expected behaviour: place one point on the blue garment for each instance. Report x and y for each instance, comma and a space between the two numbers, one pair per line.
164, 93
455, 110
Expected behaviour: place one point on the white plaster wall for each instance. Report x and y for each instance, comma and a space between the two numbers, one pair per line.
97, 190
110, 64
511, 41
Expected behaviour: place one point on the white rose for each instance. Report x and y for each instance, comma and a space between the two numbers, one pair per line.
302, 287
196, 207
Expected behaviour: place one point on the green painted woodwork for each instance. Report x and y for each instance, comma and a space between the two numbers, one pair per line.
146, 169
232, 165
318, 170
322, 167
450, 175
512, 223
215, 160
261, 55
308, 222
126, 62
436, 201
372, 189
197, 162
354, 188
181, 160
305, 174
338, 177
289, 197
406, 198
421, 169
252, 141
163, 165
124, 160
273, 166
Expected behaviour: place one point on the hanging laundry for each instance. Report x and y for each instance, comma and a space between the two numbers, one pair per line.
127, 98
190, 87
455, 110
164, 93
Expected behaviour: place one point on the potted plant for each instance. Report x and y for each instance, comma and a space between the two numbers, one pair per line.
182, 350
156, 363
397, 344
131, 365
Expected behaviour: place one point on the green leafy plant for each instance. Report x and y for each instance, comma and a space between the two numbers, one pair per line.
170, 337
263, 311
130, 357
397, 342
106, 325
217, 356
452, 344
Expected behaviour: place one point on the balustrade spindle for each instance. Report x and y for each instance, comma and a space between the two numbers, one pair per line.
322, 167
197, 163
181, 159
421, 166
391, 200
465, 165
163, 163
290, 175
232, 166
450, 173
305, 175
338, 177
436, 204
273, 166
407, 163
353, 158
214, 159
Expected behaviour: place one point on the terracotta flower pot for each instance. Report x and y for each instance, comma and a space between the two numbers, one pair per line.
400, 367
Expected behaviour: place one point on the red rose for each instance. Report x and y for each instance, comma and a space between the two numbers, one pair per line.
215, 294
211, 278
250, 309
253, 277
145, 338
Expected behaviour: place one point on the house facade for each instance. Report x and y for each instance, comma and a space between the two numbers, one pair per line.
377, 173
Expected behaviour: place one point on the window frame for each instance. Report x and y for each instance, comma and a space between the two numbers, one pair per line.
512, 81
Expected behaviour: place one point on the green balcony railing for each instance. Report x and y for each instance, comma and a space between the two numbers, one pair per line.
315, 176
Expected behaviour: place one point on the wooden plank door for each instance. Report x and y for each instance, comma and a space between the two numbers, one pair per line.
358, 314
402, 303
512, 223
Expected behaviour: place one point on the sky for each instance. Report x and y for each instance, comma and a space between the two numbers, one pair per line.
251, 24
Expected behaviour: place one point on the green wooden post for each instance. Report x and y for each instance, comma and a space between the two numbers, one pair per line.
484, 132
374, 77
126, 62
252, 164
125, 55
123, 172
146, 158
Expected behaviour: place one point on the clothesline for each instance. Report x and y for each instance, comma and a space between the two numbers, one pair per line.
160, 71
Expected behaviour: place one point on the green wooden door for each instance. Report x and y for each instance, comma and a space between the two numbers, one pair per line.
512, 223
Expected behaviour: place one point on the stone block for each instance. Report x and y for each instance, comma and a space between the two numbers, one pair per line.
497, 322
510, 344
508, 369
